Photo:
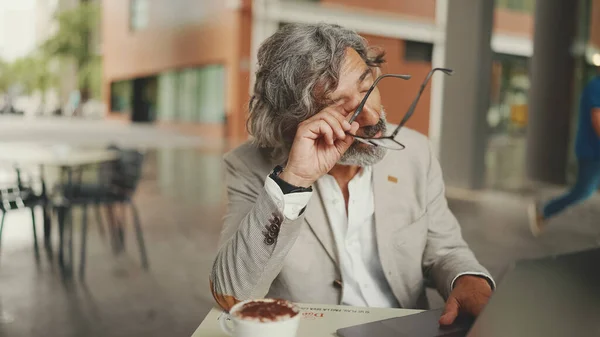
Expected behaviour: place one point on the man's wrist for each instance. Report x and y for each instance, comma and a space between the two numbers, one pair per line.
474, 279
293, 179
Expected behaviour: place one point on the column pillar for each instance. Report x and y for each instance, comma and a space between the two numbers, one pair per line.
551, 94
466, 95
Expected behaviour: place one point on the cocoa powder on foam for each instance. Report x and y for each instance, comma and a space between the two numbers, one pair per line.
266, 311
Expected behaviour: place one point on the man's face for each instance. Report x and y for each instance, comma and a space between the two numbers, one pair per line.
355, 79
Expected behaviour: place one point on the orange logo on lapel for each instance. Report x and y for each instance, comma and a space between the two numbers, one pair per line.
393, 179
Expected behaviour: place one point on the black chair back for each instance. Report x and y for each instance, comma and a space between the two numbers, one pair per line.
127, 170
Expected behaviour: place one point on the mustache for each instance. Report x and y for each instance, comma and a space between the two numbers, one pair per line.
371, 130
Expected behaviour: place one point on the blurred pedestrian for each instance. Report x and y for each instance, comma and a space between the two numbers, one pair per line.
587, 150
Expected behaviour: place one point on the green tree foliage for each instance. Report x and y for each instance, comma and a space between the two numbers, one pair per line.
34, 73
72, 41
5, 76
29, 73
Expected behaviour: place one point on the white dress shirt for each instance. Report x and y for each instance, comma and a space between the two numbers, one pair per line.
365, 284
364, 281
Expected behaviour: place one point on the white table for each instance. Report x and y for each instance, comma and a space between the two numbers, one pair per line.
57, 156
318, 320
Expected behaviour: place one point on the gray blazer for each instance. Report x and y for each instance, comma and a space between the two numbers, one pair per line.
261, 253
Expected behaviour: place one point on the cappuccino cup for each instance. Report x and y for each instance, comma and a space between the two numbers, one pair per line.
261, 318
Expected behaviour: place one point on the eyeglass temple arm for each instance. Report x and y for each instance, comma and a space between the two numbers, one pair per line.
364, 100
413, 105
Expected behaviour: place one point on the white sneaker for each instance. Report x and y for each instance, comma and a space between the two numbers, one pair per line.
536, 219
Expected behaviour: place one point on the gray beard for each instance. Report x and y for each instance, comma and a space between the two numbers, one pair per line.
360, 154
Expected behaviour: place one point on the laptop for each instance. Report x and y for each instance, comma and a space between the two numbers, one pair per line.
554, 296
424, 324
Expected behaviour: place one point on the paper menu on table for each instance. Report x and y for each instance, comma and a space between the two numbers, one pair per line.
317, 319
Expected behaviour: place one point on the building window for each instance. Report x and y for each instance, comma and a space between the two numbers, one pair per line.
507, 123
194, 95
138, 14
120, 97
417, 51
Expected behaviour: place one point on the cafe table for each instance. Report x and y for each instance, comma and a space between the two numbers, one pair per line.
317, 320
64, 157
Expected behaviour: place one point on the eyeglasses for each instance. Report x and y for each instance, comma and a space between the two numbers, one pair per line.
388, 141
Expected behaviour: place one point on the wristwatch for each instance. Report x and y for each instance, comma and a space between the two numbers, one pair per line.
286, 187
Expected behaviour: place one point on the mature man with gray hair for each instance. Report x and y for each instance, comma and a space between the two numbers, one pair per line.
319, 213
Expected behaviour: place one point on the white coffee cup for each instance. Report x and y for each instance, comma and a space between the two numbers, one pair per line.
237, 326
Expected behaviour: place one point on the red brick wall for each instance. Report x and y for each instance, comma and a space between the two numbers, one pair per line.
513, 23
419, 8
595, 23
168, 44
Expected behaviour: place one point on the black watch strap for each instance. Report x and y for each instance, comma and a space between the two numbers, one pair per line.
286, 187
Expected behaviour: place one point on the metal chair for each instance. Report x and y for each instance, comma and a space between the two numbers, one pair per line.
116, 185
16, 196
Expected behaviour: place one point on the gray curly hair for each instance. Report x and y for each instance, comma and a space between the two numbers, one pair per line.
298, 67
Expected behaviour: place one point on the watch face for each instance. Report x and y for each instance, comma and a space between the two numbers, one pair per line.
286, 187
277, 170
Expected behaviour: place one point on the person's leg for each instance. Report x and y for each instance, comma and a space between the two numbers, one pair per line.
588, 178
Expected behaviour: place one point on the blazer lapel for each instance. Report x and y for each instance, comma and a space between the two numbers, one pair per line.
392, 212
319, 224
392, 209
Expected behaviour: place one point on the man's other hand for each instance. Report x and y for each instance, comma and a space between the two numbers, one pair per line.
469, 296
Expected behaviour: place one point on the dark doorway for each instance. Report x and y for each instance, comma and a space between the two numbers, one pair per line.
143, 100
